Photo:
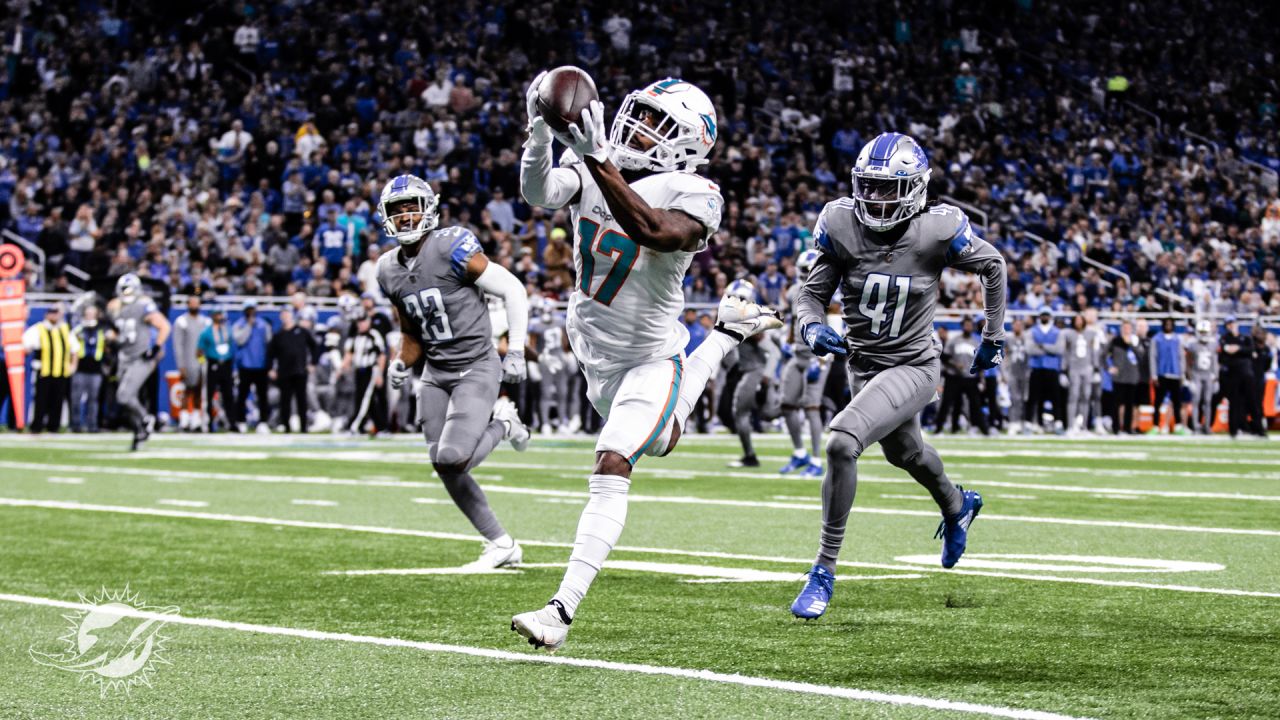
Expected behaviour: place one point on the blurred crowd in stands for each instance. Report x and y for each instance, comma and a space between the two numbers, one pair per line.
241, 149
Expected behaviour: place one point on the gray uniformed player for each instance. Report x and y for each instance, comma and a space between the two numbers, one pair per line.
1017, 374
1081, 359
803, 379
134, 315
885, 250
751, 361
436, 282
1202, 375
557, 365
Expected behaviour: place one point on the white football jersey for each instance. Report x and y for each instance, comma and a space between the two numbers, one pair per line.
627, 299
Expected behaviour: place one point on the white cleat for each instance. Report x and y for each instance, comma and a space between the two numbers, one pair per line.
496, 556
741, 319
545, 628
517, 434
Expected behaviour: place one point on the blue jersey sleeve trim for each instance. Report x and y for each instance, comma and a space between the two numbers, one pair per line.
960, 241
464, 247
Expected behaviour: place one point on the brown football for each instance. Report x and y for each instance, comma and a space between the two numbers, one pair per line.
563, 94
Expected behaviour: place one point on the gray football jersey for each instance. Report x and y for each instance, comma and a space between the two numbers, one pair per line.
1081, 350
802, 351
441, 309
891, 289
132, 328
1203, 357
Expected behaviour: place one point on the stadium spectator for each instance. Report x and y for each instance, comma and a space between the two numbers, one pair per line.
187, 330
53, 361
217, 348
1123, 365
90, 341
291, 356
252, 335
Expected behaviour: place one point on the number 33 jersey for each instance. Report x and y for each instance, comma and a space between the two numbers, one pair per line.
626, 303
440, 308
890, 290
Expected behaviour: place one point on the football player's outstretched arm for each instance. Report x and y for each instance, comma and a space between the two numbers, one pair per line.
982, 259
654, 228
540, 183
816, 292
497, 280
494, 279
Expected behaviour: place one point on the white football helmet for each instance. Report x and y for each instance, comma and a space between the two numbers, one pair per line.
422, 200
1204, 329
128, 287
741, 289
890, 181
679, 119
805, 262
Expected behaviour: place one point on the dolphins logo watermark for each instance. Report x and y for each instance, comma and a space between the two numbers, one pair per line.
115, 642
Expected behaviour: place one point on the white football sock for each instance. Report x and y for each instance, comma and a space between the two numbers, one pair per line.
598, 531
701, 367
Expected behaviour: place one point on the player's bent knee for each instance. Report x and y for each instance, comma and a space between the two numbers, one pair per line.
841, 444
450, 459
611, 463
903, 458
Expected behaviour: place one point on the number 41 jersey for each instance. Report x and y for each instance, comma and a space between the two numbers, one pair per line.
440, 308
626, 303
891, 290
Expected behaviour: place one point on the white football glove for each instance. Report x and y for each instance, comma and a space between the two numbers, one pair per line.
397, 373
514, 369
591, 140
538, 129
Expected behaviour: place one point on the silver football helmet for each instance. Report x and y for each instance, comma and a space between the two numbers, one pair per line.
890, 181
404, 197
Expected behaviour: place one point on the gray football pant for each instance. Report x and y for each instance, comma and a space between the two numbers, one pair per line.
744, 401
133, 376
1078, 389
455, 408
555, 393
886, 409
1202, 408
802, 402
1017, 383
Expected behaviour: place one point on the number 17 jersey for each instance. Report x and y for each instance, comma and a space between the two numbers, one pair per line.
627, 299
439, 306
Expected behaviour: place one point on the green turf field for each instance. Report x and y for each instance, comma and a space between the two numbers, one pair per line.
1104, 579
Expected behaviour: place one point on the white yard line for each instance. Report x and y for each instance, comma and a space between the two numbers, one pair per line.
631, 668
58, 480
764, 504
183, 503
711, 554
558, 471
315, 503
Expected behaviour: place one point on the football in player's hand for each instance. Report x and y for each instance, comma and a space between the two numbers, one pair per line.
563, 94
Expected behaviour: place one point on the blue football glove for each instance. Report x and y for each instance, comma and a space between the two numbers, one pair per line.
990, 354
787, 352
814, 372
823, 339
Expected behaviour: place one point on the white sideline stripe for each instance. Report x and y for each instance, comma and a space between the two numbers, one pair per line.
689, 500
182, 503
316, 503
637, 668
385, 481
700, 573
709, 554
58, 480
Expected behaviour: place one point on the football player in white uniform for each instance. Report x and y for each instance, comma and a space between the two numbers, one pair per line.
640, 214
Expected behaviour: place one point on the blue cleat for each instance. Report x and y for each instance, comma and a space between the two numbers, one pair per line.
954, 530
797, 462
814, 471
812, 601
